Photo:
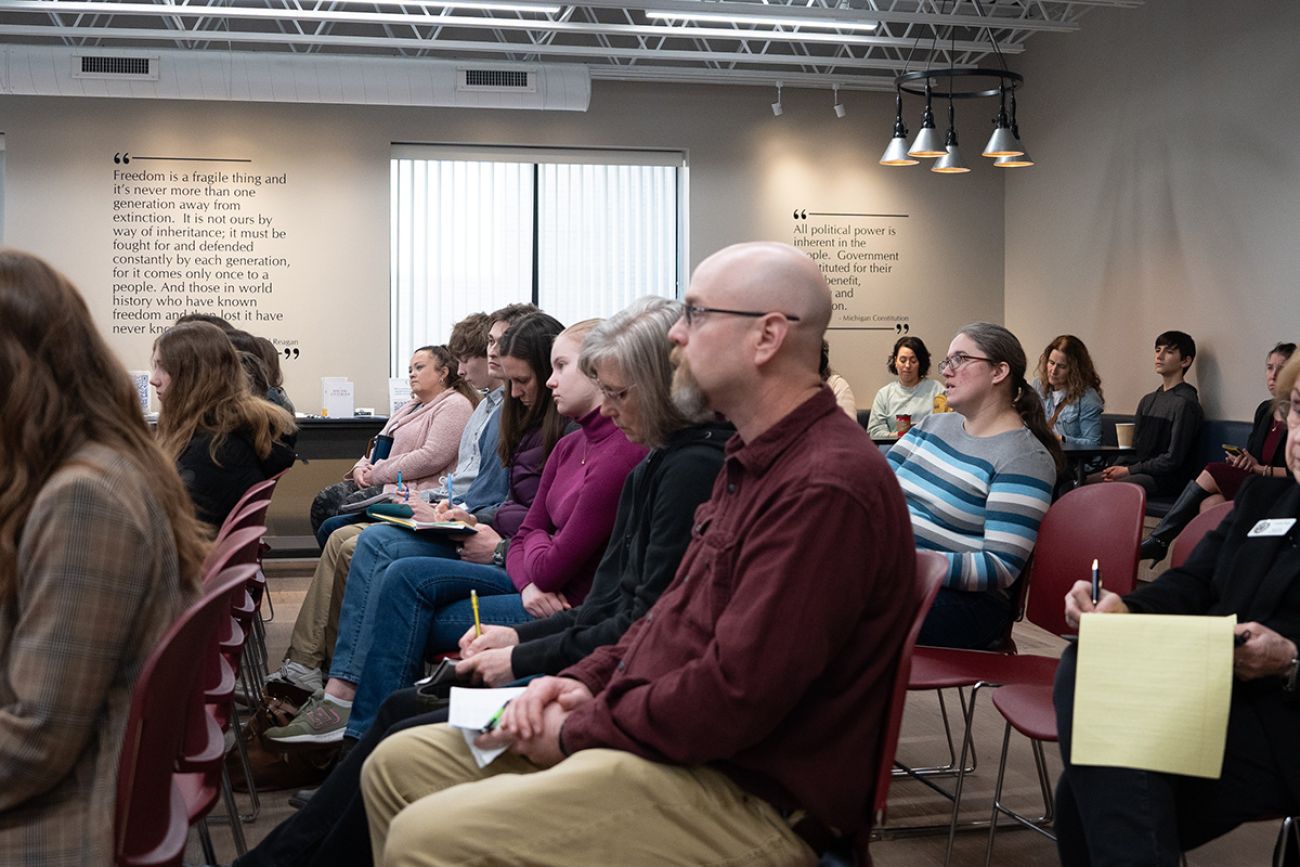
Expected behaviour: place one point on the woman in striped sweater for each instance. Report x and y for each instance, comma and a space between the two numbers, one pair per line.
977, 483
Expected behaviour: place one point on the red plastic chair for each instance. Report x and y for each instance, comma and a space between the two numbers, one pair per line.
1195, 531
261, 491
930, 571
151, 822
1098, 521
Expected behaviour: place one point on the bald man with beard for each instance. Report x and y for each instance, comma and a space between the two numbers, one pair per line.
732, 723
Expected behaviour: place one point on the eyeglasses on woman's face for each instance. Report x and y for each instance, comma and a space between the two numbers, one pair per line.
957, 360
614, 395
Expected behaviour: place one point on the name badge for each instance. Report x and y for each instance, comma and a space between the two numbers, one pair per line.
1271, 527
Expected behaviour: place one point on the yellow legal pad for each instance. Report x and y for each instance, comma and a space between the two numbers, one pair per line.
1152, 692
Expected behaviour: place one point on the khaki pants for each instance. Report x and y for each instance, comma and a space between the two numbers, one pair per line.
429, 804
317, 626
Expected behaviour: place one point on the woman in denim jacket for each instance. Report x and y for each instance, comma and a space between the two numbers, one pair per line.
1071, 391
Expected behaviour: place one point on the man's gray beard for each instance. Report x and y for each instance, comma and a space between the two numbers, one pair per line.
687, 396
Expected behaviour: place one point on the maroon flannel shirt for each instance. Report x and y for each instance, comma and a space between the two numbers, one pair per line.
769, 656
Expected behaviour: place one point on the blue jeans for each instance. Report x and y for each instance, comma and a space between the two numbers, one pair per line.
422, 605
329, 525
377, 547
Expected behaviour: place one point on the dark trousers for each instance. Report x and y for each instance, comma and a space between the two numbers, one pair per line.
1119, 816
331, 829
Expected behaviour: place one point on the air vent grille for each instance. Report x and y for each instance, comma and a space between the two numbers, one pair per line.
517, 80
115, 67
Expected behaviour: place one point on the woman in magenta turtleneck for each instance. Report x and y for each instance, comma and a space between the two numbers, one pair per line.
422, 603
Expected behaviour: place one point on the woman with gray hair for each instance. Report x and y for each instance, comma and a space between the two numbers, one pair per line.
628, 357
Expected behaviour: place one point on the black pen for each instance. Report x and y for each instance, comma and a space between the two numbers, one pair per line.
1096, 583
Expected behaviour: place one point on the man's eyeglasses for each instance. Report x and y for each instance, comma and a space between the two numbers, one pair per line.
615, 395
958, 359
692, 312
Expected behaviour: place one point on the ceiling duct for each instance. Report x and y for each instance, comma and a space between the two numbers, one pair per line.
248, 76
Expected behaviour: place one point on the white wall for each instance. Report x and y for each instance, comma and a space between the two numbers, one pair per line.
1167, 193
748, 172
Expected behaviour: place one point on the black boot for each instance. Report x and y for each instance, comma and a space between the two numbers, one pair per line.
1180, 514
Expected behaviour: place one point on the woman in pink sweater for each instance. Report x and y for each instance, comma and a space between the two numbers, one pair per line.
426, 438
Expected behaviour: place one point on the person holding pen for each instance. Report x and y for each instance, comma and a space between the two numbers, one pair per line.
716, 729
1249, 567
628, 356
542, 568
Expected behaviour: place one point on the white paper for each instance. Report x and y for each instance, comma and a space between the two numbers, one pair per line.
399, 393
336, 397
470, 711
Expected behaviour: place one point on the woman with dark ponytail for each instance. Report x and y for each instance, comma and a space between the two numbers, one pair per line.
978, 482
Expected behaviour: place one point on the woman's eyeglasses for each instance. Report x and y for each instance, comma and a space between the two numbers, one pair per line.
959, 359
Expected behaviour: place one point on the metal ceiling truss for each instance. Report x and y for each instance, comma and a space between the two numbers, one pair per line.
816, 43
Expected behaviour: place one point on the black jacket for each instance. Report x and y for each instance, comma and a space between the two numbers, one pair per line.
650, 535
1258, 433
215, 486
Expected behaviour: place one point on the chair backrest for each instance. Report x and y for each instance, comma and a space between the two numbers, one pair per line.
260, 491
251, 515
151, 823
931, 567
241, 546
1195, 531
1102, 522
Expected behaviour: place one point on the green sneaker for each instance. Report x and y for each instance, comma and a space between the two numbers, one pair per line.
320, 721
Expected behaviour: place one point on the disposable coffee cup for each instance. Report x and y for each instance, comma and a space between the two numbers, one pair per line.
1124, 435
904, 422
382, 448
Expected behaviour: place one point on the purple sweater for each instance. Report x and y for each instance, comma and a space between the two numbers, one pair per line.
560, 542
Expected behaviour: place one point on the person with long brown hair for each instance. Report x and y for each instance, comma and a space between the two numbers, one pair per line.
978, 482
223, 438
423, 437
99, 551
1070, 389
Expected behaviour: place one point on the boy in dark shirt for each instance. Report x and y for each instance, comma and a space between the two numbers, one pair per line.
1166, 424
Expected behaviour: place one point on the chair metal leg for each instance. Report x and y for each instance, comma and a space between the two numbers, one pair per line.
950, 769
255, 803
232, 810
1288, 833
961, 772
205, 841
997, 797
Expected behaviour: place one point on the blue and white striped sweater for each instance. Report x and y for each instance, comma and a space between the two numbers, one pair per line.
979, 500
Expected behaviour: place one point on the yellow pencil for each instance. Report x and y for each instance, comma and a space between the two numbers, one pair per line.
473, 601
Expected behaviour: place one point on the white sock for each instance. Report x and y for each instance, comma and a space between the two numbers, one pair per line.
335, 700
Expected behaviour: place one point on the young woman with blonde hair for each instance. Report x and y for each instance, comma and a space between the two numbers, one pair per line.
223, 438
99, 552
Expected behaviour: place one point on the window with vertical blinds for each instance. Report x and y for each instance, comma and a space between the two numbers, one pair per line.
579, 233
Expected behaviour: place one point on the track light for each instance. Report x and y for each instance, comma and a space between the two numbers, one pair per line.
840, 111
777, 108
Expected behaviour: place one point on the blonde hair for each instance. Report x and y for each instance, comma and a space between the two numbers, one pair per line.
1287, 377
48, 412
209, 393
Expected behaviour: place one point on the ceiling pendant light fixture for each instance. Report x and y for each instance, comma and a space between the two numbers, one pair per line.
896, 153
964, 82
840, 110
1002, 143
928, 143
950, 163
777, 108
1023, 160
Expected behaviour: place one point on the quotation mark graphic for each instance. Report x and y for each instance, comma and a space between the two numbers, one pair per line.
902, 328
800, 214
291, 353
121, 157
